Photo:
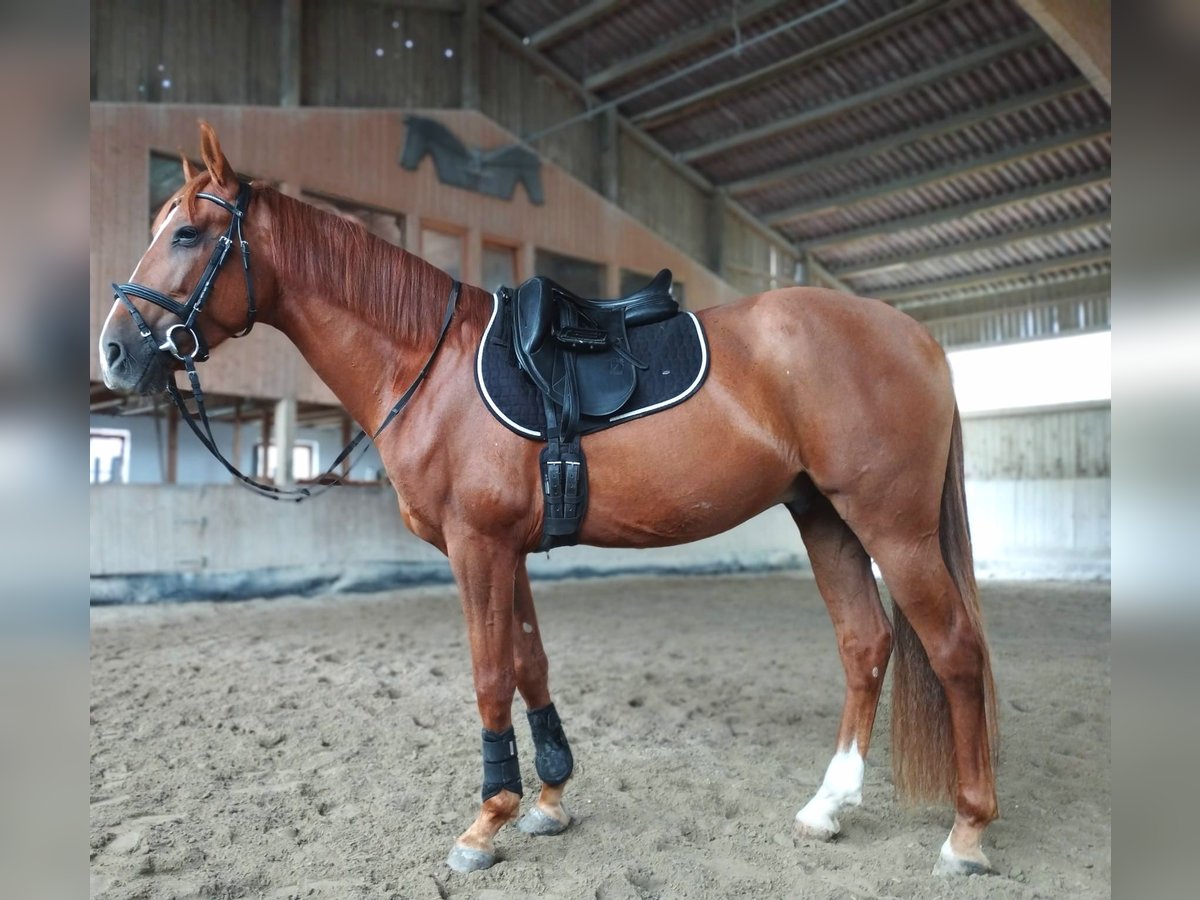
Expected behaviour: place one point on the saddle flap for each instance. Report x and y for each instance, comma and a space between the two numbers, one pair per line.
535, 314
606, 382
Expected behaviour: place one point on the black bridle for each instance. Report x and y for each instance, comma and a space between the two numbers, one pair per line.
188, 311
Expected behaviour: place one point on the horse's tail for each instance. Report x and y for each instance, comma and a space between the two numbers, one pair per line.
922, 744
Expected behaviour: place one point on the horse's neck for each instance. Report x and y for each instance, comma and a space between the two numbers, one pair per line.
356, 360
366, 366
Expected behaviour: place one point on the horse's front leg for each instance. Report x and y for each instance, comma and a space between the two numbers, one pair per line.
485, 571
552, 752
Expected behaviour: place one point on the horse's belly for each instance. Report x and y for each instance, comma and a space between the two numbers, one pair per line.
685, 474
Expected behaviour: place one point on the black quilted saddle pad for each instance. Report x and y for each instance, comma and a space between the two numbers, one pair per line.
676, 352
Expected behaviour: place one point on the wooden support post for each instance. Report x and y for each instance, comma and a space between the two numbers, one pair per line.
608, 138
526, 262
290, 50
468, 54
172, 473
284, 441
612, 280
236, 455
264, 440
347, 425
472, 268
717, 206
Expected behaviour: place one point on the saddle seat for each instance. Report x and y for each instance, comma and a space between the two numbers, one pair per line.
576, 350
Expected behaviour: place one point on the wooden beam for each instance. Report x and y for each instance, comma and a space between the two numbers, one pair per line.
988, 243
1083, 30
609, 144
715, 228
514, 43
912, 135
680, 44
812, 266
572, 23
291, 26
1077, 285
1003, 157
469, 56
284, 440
680, 108
876, 94
959, 210
1022, 270
171, 476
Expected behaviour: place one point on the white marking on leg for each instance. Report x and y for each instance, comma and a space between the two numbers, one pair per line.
841, 788
117, 303
875, 671
527, 628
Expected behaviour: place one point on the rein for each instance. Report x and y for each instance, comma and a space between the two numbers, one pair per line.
190, 310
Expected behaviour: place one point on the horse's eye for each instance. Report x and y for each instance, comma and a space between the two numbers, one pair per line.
187, 235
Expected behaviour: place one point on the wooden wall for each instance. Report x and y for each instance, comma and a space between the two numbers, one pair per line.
1064, 443
352, 154
167, 51
355, 54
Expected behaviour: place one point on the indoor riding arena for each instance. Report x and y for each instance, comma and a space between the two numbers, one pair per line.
766, 521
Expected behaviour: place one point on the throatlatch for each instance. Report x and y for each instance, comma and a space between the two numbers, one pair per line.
553, 760
501, 770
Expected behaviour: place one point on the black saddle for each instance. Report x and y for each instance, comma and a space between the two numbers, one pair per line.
577, 351
554, 366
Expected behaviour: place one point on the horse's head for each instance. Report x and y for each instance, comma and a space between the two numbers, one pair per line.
187, 294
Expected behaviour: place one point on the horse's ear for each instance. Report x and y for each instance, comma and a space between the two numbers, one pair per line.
188, 172
214, 160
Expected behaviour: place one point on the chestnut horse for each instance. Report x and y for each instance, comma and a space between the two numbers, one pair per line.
840, 408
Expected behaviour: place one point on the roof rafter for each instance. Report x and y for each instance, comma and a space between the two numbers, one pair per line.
967, 61
679, 108
912, 135
959, 210
1002, 157
679, 44
561, 29
1040, 267
992, 242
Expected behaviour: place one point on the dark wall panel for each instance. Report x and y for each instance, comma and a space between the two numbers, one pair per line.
174, 51
367, 54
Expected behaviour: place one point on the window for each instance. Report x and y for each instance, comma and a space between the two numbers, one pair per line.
584, 277
305, 460
499, 266
382, 223
109, 460
444, 250
1044, 372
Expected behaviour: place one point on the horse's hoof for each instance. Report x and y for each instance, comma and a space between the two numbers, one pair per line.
951, 864
468, 859
807, 831
538, 821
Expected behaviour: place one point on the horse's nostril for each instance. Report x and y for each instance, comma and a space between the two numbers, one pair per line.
114, 352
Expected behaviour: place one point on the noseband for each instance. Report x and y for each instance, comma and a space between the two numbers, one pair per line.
188, 311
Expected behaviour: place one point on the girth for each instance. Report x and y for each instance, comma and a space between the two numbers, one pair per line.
577, 354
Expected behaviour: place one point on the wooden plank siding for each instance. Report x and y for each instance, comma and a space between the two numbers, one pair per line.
351, 154
355, 55
1056, 444
219, 51
359, 55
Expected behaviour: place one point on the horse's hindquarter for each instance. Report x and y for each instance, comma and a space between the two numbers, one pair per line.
802, 380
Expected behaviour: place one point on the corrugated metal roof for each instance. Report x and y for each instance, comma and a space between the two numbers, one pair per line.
1051, 128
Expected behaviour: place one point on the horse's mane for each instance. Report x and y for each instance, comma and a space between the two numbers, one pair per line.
393, 289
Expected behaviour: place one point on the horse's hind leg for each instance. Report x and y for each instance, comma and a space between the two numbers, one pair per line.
943, 715
864, 635
552, 752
